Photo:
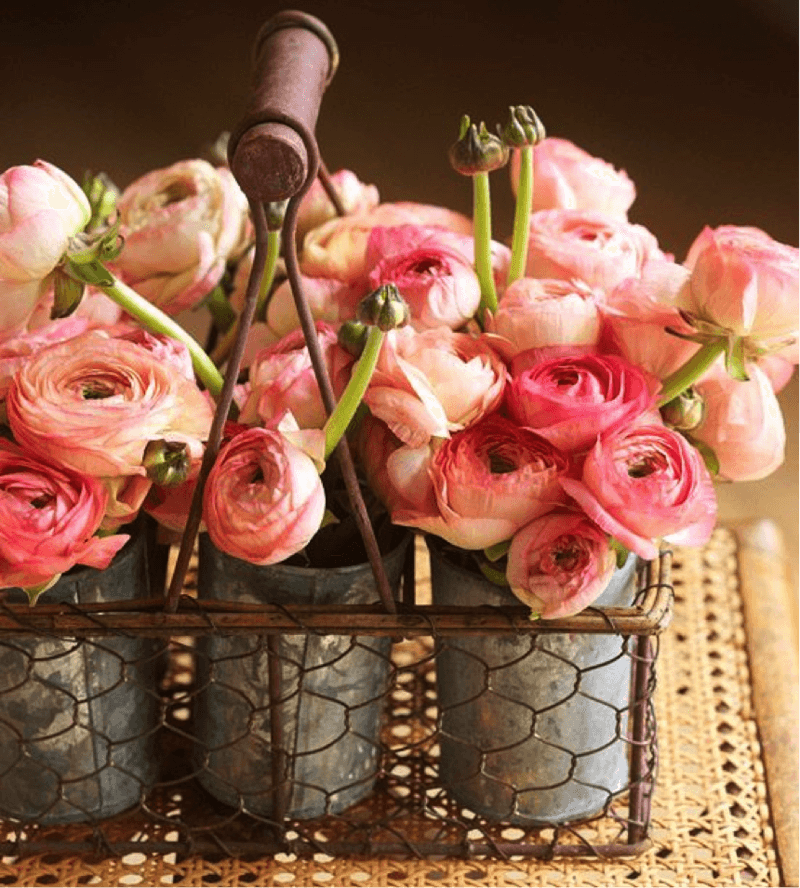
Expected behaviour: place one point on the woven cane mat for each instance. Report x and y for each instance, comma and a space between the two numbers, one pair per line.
713, 815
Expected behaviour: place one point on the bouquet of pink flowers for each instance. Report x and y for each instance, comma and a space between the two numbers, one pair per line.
549, 404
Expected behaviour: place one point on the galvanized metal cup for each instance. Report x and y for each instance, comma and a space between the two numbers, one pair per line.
330, 698
532, 727
78, 717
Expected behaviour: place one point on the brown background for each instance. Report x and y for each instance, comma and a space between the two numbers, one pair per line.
696, 100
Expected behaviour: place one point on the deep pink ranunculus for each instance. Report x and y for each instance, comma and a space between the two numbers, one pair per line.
49, 515
567, 177
744, 282
264, 499
645, 482
41, 209
573, 398
474, 489
598, 249
559, 564
434, 382
282, 378
181, 225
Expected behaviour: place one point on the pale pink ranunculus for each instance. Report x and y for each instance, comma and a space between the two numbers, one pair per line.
49, 515
316, 207
638, 315
573, 398
41, 209
646, 482
338, 248
440, 287
537, 313
593, 247
744, 282
559, 564
567, 177
474, 489
18, 350
434, 382
94, 403
181, 225
742, 423
282, 378
264, 499
328, 300
168, 351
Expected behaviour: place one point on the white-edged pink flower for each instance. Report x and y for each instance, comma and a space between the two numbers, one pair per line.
432, 383
744, 282
537, 313
742, 423
559, 564
168, 351
264, 499
596, 248
181, 225
475, 489
567, 177
282, 378
95, 402
49, 515
645, 482
439, 285
316, 207
573, 398
41, 209
328, 300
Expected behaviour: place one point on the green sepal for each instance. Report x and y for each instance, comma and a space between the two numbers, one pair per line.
33, 592
328, 518
735, 360
91, 273
220, 309
497, 551
707, 453
620, 551
492, 574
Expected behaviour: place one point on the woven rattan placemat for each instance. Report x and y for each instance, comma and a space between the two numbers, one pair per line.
713, 815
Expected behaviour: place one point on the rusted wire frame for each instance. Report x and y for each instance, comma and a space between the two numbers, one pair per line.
223, 408
321, 371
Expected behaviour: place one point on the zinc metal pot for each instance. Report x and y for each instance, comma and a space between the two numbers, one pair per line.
331, 691
78, 717
533, 727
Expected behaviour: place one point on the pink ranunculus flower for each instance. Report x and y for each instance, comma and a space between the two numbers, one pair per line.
559, 564
41, 209
316, 207
168, 351
640, 312
439, 285
645, 482
94, 403
181, 225
18, 350
744, 282
742, 423
475, 489
536, 313
593, 247
49, 515
282, 378
328, 300
573, 398
264, 499
338, 248
433, 383
567, 177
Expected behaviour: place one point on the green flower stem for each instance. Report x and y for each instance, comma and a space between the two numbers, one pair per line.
225, 344
97, 275
522, 215
690, 372
482, 222
350, 401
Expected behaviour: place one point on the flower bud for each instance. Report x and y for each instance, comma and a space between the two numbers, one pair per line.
384, 308
68, 294
477, 150
685, 412
167, 462
523, 127
102, 194
352, 337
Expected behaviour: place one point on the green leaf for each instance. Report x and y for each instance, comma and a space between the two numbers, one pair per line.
496, 552
621, 551
493, 575
708, 455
